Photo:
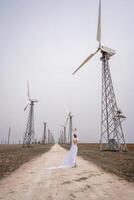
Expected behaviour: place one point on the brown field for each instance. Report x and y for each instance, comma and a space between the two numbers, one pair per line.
12, 156
120, 163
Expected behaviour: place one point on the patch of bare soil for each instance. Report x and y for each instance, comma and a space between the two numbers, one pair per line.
12, 156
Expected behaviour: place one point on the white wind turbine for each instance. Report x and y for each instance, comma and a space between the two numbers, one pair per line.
69, 118
29, 133
63, 132
112, 137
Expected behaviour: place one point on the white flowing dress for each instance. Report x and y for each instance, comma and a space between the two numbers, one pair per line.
70, 159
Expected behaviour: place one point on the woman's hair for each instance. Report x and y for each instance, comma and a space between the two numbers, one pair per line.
75, 136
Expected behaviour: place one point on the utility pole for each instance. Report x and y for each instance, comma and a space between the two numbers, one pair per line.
48, 136
44, 133
70, 127
9, 131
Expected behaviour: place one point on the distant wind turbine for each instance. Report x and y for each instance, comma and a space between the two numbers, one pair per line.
29, 133
69, 118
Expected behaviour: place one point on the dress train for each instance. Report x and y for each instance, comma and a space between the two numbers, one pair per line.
69, 160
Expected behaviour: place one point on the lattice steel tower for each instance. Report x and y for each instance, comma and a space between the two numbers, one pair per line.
112, 137
69, 118
29, 133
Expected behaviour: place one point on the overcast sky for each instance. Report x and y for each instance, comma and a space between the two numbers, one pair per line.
44, 41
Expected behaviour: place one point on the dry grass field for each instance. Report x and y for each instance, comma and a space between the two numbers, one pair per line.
12, 156
120, 163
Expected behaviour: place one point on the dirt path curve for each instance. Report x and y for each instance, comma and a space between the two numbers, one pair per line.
34, 181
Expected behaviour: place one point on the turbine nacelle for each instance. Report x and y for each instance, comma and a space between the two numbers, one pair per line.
111, 52
34, 100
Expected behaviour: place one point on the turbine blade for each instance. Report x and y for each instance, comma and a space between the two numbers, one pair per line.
66, 121
27, 103
85, 61
99, 25
28, 92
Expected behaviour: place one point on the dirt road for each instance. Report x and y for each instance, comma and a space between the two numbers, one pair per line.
35, 181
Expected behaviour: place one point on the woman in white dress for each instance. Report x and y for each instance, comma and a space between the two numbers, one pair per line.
70, 159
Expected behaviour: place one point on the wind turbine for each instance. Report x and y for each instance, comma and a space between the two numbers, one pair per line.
29, 133
51, 139
64, 133
112, 137
69, 117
